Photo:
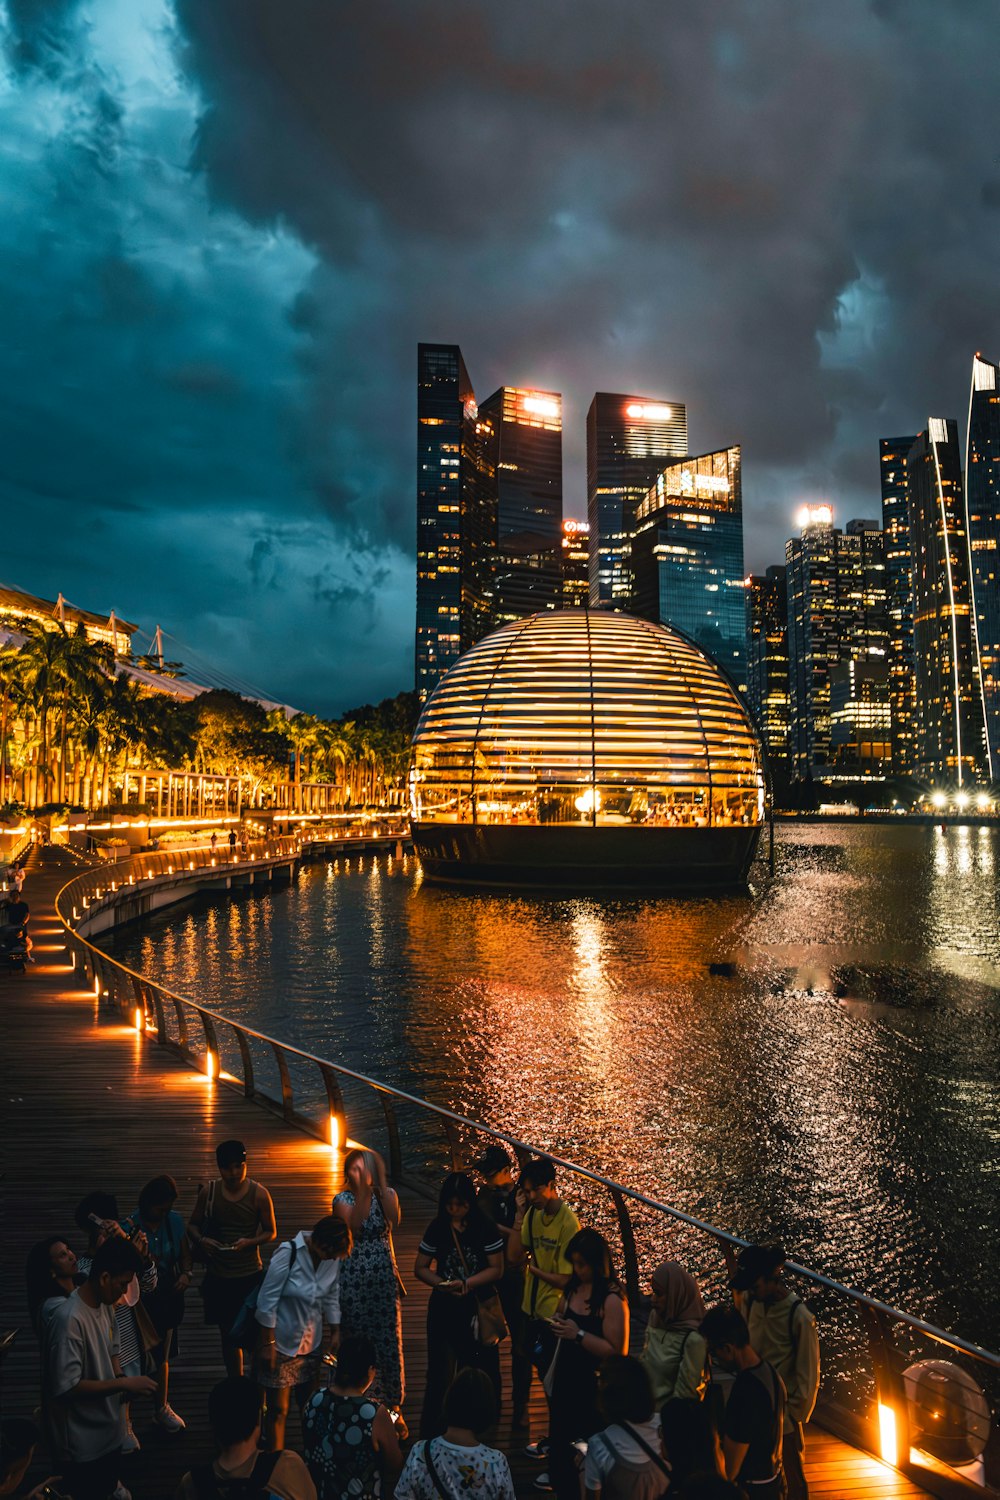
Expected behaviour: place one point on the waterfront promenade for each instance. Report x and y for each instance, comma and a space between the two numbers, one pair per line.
88, 1103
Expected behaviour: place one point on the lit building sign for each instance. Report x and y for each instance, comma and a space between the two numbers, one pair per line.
814, 515
640, 413
540, 406
692, 483
576, 528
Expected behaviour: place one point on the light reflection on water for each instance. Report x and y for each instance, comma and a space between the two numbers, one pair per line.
839, 1090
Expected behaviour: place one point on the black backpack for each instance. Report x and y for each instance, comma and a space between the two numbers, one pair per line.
210, 1487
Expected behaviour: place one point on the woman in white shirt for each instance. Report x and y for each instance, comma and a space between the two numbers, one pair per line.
457, 1465
298, 1309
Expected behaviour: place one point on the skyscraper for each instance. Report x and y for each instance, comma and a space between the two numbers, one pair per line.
687, 555
575, 564
522, 432
767, 661
982, 505
630, 439
837, 646
456, 515
950, 731
899, 597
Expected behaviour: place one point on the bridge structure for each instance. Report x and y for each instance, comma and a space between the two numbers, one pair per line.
112, 1079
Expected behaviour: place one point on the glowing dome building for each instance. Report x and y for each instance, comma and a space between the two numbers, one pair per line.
586, 748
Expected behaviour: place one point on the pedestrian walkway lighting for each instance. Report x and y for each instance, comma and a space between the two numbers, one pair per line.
888, 1441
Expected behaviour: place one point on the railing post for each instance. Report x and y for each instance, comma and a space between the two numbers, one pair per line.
453, 1146
182, 1027
629, 1255
287, 1099
890, 1391
211, 1042
247, 1061
161, 1025
335, 1100
392, 1134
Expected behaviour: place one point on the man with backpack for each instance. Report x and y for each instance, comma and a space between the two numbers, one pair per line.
753, 1420
241, 1471
782, 1332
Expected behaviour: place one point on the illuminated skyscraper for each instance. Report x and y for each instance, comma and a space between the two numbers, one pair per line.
687, 556
982, 504
950, 733
456, 515
523, 443
575, 564
630, 439
899, 596
837, 648
767, 661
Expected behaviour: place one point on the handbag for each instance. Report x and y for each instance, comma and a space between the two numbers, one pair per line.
489, 1326
549, 1378
244, 1329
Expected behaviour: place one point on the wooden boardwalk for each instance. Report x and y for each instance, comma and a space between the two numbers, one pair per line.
89, 1104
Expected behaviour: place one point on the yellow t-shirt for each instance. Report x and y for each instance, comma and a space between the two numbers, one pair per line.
546, 1239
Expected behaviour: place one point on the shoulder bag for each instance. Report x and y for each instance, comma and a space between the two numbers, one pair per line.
489, 1326
244, 1329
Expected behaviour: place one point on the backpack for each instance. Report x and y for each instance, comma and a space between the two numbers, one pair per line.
634, 1479
210, 1487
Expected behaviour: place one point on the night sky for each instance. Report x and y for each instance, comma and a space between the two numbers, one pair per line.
227, 223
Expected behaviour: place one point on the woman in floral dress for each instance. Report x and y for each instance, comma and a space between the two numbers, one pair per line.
370, 1287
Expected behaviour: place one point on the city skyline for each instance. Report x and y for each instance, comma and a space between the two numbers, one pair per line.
210, 307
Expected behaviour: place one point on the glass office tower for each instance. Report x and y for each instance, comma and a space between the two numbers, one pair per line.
950, 733
767, 660
687, 556
899, 597
982, 506
456, 515
522, 432
630, 439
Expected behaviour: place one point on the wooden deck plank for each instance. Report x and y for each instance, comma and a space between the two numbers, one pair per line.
89, 1104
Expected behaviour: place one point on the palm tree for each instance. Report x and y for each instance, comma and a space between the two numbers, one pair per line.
11, 694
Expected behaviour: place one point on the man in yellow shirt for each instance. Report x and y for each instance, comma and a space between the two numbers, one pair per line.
543, 1227
783, 1332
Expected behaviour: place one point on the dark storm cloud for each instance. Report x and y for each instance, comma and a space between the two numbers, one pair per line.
234, 221
713, 202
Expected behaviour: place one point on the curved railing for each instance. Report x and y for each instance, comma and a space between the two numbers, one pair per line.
892, 1413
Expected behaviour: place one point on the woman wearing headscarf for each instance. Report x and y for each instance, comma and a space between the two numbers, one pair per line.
674, 1352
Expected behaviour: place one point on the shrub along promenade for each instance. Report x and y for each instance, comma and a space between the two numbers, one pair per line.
91, 1103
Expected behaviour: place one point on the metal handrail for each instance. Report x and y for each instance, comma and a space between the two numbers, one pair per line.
878, 1317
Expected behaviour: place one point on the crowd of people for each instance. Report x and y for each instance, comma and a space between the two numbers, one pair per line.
15, 913
713, 1405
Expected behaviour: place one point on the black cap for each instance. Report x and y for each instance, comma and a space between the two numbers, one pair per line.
228, 1153
753, 1262
493, 1159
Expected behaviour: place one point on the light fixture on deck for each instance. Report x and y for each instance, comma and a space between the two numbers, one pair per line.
139, 1019
211, 1065
888, 1440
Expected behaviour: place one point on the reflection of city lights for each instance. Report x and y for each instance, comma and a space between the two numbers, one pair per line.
938, 799
585, 803
641, 413
814, 515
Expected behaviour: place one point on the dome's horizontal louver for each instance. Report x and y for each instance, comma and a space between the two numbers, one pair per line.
586, 718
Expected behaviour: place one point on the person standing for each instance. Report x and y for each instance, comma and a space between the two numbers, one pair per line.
543, 1226
460, 1252
458, 1463
498, 1200
349, 1439
240, 1468
783, 1333
214, 841
83, 1387
673, 1350
50, 1274
298, 1310
232, 844
753, 1421
168, 1244
591, 1323
231, 1219
370, 1284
